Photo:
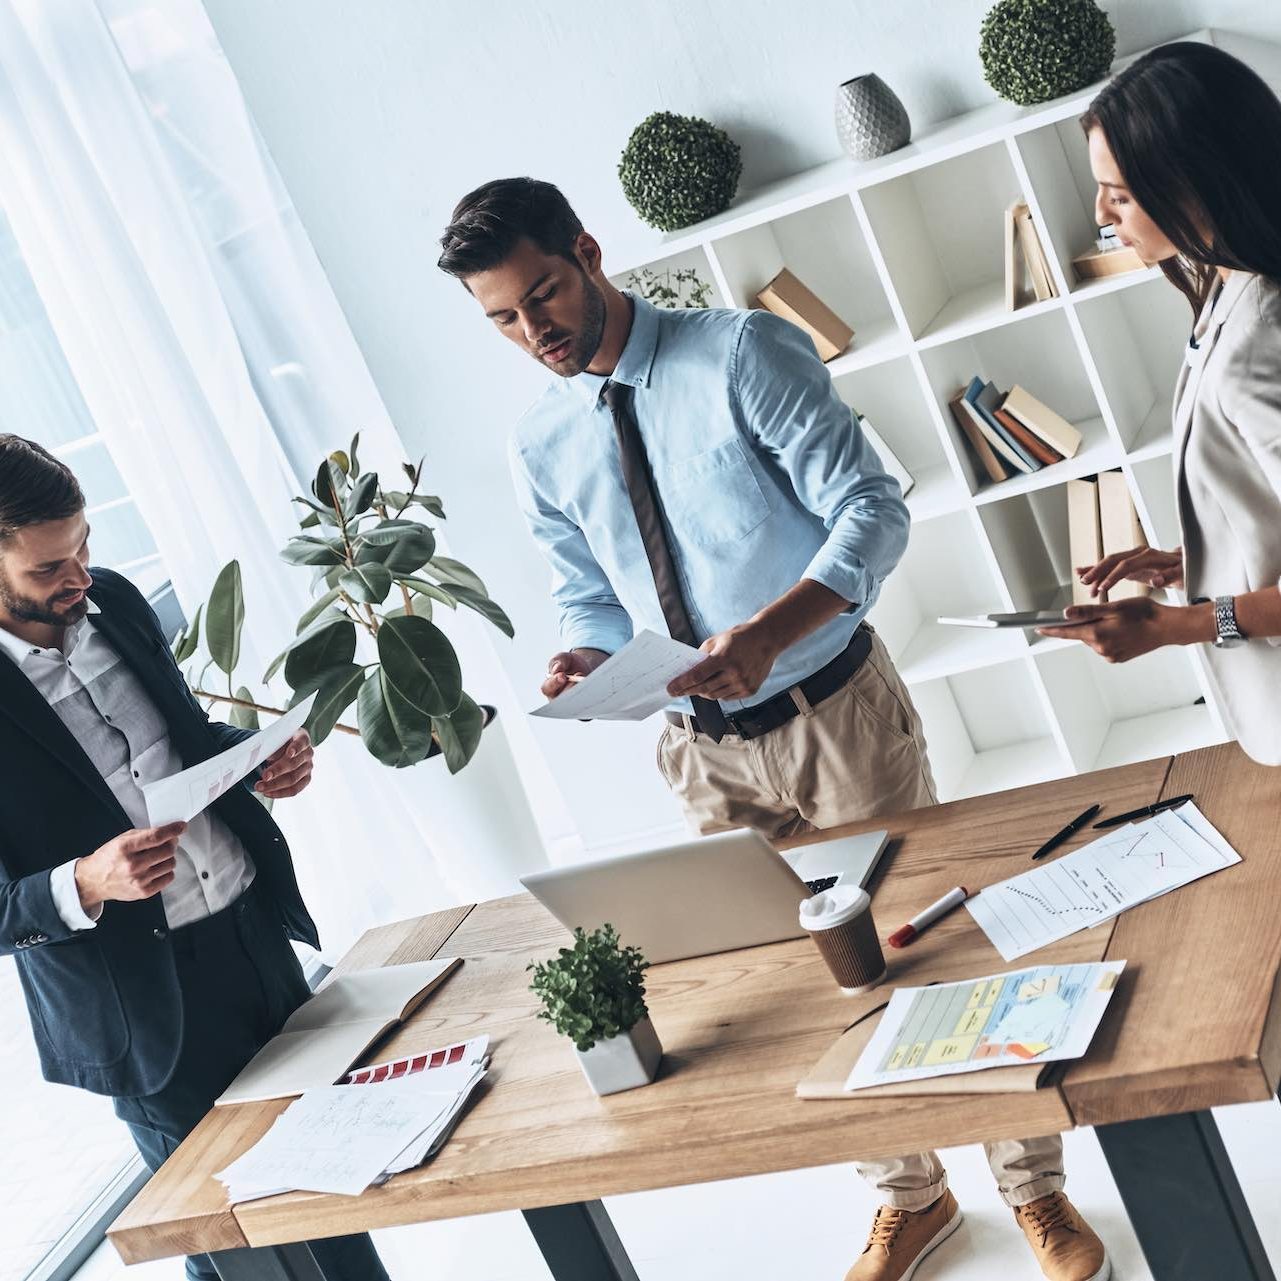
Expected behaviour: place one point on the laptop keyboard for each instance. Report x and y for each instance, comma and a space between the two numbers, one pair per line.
821, 883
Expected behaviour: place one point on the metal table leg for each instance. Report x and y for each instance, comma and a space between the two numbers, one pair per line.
268, 1263
1183, 1198
579, 1243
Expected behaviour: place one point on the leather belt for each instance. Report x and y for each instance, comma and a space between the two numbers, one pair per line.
752, 722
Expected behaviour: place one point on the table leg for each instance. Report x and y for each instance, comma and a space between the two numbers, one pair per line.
579, 1243
268, 1263
1181, 1193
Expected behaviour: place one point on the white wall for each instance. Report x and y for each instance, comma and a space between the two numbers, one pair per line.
381, 113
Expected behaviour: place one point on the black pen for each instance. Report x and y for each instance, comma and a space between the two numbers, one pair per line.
1074, 826
1146, 812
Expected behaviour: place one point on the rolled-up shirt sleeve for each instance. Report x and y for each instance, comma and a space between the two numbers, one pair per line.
789, 407
591, 616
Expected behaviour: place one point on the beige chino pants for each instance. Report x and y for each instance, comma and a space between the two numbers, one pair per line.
859, 753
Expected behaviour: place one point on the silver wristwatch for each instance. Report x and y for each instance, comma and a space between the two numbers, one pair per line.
1225, 623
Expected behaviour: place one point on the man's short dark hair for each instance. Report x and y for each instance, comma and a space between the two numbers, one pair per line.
34, 486
489, 221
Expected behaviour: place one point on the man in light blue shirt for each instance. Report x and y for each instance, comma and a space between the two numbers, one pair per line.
694, 472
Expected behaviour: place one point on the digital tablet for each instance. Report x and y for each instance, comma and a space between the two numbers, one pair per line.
1030, 618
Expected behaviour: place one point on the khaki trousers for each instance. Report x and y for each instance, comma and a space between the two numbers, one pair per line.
859, 753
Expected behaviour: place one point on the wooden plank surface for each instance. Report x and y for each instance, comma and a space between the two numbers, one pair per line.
739, 1030
1198, 1024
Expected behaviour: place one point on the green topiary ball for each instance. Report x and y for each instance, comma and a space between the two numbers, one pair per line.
1035, 50
677, 170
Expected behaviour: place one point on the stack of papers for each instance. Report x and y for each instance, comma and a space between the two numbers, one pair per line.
343, 1138
1000, 1020
1129, 866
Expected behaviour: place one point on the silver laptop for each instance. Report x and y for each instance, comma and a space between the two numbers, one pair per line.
710, 894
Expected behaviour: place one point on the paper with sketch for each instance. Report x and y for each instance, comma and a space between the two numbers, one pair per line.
179, 798
325, 1035
336, 1139
1126, 867
1001, 1020
629, 685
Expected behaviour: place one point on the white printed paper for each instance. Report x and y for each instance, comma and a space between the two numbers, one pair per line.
629, 685
179, 798
1000, 1020
1129, 866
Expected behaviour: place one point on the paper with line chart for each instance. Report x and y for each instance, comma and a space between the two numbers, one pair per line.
1121, 870
1001, 1020
629, 685
180, 797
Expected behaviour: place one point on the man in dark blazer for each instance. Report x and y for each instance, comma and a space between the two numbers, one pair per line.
155, 961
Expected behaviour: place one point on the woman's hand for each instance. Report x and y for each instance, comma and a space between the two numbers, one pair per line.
1124, 629
1140, 564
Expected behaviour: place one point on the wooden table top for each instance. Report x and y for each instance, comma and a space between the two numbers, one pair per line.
1190, 1027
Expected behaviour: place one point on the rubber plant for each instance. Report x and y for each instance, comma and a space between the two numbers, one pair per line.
367, 639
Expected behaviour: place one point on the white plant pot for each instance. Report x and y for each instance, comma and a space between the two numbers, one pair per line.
622, 1062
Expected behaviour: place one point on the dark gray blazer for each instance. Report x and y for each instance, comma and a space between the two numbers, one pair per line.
104, 1003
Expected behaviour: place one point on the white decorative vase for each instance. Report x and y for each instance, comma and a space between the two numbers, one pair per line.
870, 119
622, 1062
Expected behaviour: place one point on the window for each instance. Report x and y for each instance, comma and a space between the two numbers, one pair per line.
71, 1144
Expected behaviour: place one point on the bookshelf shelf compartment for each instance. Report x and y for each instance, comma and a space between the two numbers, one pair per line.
695, 258
940, 231
1155, 479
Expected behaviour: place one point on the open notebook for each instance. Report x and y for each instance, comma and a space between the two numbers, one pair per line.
326, 1035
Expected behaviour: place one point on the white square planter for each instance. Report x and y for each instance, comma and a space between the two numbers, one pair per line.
622, 1062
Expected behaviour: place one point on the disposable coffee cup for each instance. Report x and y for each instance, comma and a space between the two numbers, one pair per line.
840, 922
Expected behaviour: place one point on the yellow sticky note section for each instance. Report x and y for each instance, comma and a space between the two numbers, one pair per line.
976, 996
1039, 987
916, 1055
950, 1049
898, 1058
972, 1021
993, 991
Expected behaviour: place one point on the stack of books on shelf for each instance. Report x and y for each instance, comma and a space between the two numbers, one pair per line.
1011, 431
1027, 269
1108, 257
1101, 521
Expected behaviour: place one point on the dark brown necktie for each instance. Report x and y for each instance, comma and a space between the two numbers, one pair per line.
640, 488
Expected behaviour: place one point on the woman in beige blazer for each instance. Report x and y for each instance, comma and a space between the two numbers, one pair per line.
1185, 146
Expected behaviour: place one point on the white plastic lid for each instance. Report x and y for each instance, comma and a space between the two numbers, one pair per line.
834, 907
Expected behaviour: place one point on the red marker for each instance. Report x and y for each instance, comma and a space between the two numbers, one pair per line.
906, 933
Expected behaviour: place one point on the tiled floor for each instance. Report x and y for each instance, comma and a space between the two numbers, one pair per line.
807, 1224
61, 1145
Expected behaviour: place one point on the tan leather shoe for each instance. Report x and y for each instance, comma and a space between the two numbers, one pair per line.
900, 1239
1065, 1246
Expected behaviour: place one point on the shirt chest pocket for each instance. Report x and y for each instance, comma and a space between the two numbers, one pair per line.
713, 497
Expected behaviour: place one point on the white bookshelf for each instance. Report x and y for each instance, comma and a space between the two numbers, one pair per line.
907, 249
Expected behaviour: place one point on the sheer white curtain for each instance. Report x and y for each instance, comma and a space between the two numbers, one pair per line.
218, 367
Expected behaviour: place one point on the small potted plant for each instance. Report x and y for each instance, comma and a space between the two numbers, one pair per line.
594, 993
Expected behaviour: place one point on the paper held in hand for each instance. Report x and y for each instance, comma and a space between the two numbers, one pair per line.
1126, 867
324, 1036
179, 798
630, 685
1038, 1015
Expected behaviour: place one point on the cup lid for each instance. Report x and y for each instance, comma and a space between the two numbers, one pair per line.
834, 907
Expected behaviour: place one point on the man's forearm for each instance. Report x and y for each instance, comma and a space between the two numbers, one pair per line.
799, 611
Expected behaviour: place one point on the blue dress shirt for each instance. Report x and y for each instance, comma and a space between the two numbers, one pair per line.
762, 472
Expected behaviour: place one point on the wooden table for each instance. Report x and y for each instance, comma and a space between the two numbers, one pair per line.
1193, 1025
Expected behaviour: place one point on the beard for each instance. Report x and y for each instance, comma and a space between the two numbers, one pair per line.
585, 343
27, 609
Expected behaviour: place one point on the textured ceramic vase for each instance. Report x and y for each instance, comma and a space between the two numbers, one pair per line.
870, 120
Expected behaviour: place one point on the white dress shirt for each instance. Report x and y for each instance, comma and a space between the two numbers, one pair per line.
100, 700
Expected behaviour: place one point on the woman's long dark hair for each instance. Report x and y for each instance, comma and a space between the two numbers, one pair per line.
1197, 136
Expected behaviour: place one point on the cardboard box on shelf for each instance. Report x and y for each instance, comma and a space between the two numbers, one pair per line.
787, 297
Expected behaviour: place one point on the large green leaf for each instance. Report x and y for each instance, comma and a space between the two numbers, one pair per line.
244, 717
483, 606
225, 617
421, 587
315, 609
420, 664
454, 571
362, 495
403, 546
321, 624
330, 481
331, 645
367, 583
308, 549
351, 453
187, 640
459, 733
393, 731
398, 500
335, 692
